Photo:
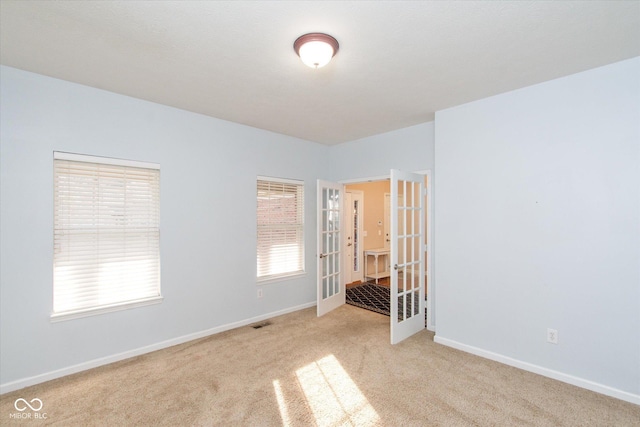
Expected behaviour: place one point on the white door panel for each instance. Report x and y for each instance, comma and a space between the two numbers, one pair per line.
331, 293
407, 255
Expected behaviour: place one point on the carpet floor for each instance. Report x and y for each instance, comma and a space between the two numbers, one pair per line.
301, 370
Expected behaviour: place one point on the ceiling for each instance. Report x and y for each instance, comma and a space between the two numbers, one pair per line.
398, 62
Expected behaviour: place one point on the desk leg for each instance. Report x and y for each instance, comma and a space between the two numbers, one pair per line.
376, 263
366, 258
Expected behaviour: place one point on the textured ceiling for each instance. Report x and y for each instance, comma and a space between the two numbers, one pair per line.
398, 63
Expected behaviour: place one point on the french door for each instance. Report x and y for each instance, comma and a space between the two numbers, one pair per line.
407, 255
331, 293
407, 247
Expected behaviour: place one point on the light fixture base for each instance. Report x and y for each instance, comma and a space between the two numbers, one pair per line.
322, 42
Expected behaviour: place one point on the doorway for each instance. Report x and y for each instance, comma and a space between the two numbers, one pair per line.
406, 263
376, 232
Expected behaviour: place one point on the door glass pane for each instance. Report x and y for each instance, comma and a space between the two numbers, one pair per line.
330, 264
324, 266
401, 187
411, 273
324, 242
334, 280
325, 286
325, 197
401, 271
325, 221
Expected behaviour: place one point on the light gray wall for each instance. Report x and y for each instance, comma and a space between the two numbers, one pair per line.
538, 225
410, 149
208, 233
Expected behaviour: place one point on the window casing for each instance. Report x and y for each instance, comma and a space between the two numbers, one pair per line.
106, 235
280, 218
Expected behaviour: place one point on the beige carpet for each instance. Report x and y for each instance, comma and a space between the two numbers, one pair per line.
304, 371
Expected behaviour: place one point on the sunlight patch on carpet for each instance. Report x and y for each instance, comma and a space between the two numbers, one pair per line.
333, 396
282, 404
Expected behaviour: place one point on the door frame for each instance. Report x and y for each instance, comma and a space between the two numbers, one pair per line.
429, 223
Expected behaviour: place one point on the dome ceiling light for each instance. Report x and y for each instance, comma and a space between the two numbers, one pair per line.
316, 49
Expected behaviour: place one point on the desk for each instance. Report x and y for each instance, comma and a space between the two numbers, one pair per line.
376, 253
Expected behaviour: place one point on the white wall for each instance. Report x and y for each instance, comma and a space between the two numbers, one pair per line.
208, 233
538, 226
410, 149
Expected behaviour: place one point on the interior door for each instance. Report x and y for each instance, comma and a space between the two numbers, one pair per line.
331, 293
352, 236
407, 255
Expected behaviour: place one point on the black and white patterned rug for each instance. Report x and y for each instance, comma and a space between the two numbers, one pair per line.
376, 298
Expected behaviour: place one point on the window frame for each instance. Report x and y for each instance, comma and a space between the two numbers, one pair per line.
123, 304
300, 225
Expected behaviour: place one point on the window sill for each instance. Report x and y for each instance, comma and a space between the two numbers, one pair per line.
69, 315
282, 278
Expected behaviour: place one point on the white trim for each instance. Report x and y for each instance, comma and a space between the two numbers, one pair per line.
280, 180
428, 228
277, 279
48, 376
77, 314
546, 372
60, 155
365, 180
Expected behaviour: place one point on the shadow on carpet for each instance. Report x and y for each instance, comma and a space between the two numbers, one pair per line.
377, 298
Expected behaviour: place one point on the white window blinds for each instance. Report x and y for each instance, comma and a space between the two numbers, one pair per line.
106, 234
280, 228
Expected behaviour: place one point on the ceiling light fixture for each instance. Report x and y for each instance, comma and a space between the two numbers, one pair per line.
316, 49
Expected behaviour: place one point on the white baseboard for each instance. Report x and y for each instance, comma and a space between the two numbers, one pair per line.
560, 376
37, 379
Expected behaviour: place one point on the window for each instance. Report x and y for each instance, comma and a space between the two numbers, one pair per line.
280, 228
106, 235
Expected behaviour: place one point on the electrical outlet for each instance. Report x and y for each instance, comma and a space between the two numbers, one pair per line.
552, 336
259, 293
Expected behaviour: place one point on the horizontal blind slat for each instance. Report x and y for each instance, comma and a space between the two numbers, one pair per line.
280, 226
106, 234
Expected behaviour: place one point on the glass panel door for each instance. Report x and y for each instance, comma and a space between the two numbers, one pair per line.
331, 293
407, 255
